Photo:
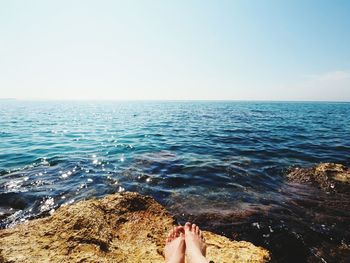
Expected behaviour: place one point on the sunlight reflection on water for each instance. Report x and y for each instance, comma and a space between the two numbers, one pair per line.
227, 157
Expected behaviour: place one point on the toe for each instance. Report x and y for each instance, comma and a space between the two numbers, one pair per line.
181, 229
187, 226
193, 228
173, 232
197, 230
176, 232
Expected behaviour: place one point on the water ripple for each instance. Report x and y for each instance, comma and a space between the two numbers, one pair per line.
228, 158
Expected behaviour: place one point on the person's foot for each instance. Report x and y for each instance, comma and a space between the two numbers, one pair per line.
174, 250
195, 244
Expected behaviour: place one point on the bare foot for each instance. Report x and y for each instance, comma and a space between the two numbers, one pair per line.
195, 244
175, 247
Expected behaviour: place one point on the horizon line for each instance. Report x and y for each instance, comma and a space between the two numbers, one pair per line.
173, 100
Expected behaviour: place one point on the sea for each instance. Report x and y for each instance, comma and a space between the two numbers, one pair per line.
220, 164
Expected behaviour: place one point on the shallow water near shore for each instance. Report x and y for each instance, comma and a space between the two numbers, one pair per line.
219, 164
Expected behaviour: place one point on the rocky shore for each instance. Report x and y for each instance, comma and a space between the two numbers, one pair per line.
330, 177
123, 227
129, 227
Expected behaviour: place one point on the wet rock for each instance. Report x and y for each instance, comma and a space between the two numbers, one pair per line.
327, 210
331, 177
125, 227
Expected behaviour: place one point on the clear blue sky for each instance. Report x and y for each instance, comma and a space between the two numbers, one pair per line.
263, 50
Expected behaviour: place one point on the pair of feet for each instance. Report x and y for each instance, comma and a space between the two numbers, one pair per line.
185, 241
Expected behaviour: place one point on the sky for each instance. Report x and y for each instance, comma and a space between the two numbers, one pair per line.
175, 50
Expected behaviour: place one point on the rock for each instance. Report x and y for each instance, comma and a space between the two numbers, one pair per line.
330, 177
124, 227
326, 209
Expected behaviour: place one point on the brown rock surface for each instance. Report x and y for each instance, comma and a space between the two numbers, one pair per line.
125, 227
330, 177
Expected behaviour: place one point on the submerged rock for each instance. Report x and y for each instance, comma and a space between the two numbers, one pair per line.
124, 227
330, 177
326, 210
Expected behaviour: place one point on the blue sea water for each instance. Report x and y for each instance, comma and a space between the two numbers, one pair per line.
194, 157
